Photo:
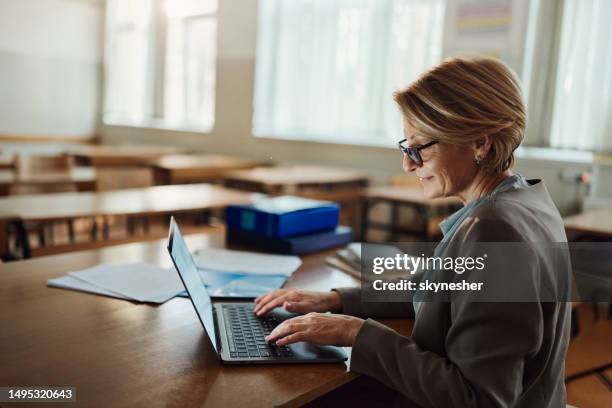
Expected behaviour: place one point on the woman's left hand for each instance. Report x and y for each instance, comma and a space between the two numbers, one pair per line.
320, 328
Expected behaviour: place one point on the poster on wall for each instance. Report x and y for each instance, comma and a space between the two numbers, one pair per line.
496, 28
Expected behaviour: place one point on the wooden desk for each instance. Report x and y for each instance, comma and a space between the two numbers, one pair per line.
119, 353
80, 178
39, 211
50, 148
119, 155
295, 179
400, 196
148, 201
7, 161
596, 222
184, 169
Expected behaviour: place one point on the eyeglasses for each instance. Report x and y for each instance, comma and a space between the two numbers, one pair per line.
414, 152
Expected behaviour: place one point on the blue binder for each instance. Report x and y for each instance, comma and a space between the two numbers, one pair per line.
303, 244
284, 216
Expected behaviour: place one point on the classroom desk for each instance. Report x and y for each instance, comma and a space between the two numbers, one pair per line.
119, 155
119, 353
7, 161
80, 178
140, 202
296, 179
596, 222
47, 148
403, 196
147, 201
184, 169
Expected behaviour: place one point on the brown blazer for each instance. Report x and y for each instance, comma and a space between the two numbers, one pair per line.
474, 354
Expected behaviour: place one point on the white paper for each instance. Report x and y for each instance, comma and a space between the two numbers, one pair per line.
226, 260
355, 248
72, 283
137, 281
69, 282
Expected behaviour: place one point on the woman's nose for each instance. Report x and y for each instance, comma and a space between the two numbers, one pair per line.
409, 165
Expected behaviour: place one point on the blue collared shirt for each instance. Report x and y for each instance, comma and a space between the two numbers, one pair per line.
450, 224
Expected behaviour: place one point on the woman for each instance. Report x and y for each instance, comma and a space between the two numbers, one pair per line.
463, 120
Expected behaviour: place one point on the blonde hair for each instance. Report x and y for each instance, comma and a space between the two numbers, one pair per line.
462, 100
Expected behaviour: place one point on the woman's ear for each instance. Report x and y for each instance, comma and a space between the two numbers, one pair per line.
482, 147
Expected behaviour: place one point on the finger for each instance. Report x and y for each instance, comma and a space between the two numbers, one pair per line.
284, 329
266, 307
298, 307
267, 298
294, 338
264, 298
272, 302
267, 295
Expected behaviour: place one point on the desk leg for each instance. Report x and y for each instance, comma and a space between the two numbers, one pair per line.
365, 209
424, 215
130, 225
94, 228
42, 238
23, 239
70, 225
394, 221
146, 225
105, 227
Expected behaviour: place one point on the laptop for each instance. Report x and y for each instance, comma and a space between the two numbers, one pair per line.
236, 334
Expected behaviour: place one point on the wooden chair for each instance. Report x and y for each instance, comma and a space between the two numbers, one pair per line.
118, 178
42, 164
34, 164
7, 161
31, 164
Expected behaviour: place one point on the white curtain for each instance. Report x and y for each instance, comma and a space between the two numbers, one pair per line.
327, 69
582, 117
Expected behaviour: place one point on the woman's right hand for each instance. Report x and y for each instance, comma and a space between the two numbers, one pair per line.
298, 301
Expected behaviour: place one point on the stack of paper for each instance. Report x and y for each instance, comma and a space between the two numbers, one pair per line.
349, 259
137, 281
224, 272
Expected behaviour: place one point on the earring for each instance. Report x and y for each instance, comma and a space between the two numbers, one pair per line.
477, 160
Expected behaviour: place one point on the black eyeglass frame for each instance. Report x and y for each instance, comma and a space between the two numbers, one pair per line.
414, 152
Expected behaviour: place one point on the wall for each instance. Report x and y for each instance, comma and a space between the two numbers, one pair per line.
232, 131
51, 65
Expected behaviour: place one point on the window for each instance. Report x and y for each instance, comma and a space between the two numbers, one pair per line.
583, 89
326, 69
160, 63
127, 54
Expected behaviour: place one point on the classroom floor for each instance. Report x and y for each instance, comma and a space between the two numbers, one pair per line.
591, 348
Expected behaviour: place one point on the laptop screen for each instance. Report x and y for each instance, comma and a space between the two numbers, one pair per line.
187, 270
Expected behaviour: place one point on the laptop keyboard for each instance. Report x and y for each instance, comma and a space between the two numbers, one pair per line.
246, 332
